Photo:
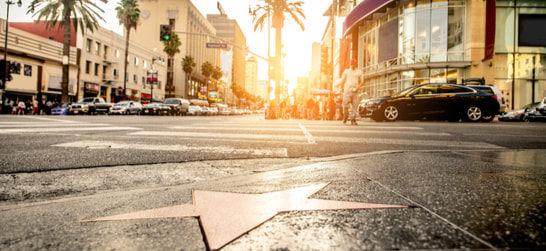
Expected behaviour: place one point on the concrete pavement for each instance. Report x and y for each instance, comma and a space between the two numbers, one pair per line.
457, 200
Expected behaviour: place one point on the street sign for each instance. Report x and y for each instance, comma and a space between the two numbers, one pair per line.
217, 45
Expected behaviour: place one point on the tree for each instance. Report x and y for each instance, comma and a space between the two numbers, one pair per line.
188, 63
171, 48
82, 13
217, 73
128, 15
277, 10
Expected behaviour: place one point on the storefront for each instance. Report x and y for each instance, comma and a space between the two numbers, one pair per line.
401, 43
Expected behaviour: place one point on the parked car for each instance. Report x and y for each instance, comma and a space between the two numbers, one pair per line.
537, 113
91, 105
179, 106
205, 111
213, 111
435, 101
194, 110
517, 115
156, 109
225, 111
61, 110
126, 107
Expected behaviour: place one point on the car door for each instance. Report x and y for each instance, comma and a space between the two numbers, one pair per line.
424, 102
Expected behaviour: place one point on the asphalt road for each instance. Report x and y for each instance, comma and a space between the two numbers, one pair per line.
460, 185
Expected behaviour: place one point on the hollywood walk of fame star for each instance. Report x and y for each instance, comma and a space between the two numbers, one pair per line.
226, 216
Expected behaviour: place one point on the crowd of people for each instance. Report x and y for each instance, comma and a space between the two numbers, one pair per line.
30, 106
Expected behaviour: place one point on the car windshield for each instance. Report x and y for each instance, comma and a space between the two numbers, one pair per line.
122, 104
86, 100
66, 105
171, 101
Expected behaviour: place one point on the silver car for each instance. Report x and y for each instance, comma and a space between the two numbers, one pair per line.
126, 107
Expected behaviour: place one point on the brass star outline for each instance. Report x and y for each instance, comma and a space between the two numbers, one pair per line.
225, 217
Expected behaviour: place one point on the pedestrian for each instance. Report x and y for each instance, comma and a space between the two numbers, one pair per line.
21, 107
351, 81
35, 106
5, 106
331, 108
48, 106
13, 105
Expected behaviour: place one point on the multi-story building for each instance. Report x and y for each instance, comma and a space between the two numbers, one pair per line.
36, 64
251, 75
194, 32
96, 65
229, 30
400, 43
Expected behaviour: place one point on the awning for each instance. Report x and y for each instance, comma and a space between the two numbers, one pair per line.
361, 11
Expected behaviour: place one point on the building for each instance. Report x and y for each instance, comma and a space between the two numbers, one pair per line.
96, 65
193, 30
401, 43
229, 30
251, 76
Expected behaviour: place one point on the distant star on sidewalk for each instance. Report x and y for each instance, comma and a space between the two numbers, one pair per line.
226, 216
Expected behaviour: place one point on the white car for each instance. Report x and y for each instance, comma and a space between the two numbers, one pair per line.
126, 107
194, 110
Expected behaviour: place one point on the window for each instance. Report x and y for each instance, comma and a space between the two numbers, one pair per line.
106, 51
97, 48
88, 45
135, 78
97, 66
87, 67
136, 61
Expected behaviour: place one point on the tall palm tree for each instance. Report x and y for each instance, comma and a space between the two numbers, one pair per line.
207, 70
128, 15
82, 13
171, 47
277, 11
188, 63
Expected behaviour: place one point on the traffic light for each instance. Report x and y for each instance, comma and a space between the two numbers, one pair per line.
165, 31
324, 59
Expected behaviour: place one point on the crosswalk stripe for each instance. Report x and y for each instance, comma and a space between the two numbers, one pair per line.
63, 129
304, 138
310, 129
266, 152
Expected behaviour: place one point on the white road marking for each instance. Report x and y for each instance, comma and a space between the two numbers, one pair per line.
63, 129
269, 152
307, 134
220, 136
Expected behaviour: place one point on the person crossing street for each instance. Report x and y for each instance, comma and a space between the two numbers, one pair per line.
351, 81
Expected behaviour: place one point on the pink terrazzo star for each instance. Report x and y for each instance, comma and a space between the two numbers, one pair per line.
226, 216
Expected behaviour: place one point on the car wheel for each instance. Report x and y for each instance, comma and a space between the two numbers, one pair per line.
391, 112
474, 113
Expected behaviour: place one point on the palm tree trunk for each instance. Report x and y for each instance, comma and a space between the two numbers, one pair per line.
278, 53
66, 55
127, 34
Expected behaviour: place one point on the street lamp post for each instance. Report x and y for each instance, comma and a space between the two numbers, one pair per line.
8, 3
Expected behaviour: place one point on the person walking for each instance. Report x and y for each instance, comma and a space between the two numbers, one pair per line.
351, 81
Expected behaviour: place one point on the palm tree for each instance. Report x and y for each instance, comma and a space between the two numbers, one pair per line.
277, 10
128, 15
82, 13
188, 63
171, 48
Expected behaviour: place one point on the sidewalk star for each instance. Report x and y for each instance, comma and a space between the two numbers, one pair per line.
226, 216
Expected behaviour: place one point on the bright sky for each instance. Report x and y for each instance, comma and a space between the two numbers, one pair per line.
297, 43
